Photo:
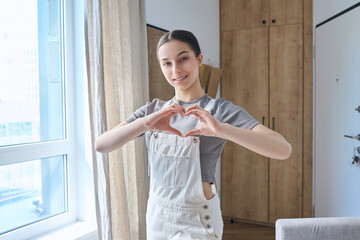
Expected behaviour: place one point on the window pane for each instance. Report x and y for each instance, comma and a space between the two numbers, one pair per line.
31, 79
32, 191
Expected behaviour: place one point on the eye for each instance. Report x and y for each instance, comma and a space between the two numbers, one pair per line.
166, 63
183, 59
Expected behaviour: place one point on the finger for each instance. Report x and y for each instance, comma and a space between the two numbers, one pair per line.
176, 105
199, 114
180, 110
174, 131
192, 111
192, 132
201, 118
197, 109
195, 106
167, 114
173, 111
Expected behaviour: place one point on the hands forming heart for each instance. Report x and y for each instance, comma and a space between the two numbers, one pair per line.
160, 121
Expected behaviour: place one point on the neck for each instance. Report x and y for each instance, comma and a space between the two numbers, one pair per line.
191, 94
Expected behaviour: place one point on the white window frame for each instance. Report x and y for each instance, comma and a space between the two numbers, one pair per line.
79, 162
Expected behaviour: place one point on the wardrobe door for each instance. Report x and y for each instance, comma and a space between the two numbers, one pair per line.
244, 58
286, 12
158, 85
286, 112
242, 14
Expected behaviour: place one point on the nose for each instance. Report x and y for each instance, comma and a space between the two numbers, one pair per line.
176, 68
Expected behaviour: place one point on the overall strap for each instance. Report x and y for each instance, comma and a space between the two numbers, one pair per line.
210, 105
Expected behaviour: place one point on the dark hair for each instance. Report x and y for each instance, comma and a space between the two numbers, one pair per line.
182, 36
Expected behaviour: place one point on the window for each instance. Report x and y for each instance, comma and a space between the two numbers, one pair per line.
31, 191
32, 82
39, 127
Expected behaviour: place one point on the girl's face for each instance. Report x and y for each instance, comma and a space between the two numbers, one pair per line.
179, 64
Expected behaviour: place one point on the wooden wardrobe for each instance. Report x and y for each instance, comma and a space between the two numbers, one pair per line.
266, 57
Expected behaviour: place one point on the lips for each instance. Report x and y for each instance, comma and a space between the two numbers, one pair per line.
180, 79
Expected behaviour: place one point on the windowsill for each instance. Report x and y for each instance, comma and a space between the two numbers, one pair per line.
74, 231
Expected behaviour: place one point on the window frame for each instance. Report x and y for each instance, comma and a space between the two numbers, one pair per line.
79, 162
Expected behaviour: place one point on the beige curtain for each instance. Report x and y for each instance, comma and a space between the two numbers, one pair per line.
116, 54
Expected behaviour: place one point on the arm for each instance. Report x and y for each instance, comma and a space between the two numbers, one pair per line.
119, 135
260, 139
125, 132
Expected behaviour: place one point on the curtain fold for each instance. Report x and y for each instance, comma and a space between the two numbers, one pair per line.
116, 56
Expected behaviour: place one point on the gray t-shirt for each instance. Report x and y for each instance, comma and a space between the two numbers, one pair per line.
210, 147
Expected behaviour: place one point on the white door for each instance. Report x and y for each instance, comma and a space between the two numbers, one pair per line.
337, 95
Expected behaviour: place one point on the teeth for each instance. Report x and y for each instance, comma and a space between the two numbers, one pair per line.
178, 79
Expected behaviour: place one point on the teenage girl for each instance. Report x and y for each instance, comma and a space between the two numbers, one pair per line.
185, 137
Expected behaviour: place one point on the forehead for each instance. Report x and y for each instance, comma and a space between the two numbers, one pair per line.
172, 48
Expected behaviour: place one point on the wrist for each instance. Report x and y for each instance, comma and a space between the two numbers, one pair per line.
221, 129
143, 124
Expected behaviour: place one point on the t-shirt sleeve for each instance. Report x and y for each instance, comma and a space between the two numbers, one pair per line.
236, 116
139, 113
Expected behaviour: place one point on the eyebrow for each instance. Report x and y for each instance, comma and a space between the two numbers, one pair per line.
176, 55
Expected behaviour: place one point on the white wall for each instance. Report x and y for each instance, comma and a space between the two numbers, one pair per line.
333, 190
201, 17
324, 9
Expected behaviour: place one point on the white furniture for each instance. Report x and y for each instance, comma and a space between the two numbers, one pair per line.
335, 228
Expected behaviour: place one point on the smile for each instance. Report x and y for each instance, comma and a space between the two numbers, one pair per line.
180, 78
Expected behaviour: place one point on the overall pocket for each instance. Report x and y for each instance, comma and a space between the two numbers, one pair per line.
183, 224
169, 171
212, 218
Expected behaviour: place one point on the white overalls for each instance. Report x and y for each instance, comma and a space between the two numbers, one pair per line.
177, 207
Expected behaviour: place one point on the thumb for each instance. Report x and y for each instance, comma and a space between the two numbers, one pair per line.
174, 131
192, 132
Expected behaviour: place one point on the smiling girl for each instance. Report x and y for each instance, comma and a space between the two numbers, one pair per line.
185, 137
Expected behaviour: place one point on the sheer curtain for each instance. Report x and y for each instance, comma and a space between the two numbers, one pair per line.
116, 56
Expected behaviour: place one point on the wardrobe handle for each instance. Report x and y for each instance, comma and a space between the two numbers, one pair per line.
273, 123
273, 21
264, 21
263, 120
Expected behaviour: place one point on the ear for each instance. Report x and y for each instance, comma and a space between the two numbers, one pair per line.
200, 59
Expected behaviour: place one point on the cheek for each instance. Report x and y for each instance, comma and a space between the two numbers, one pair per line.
191, 66
166, 72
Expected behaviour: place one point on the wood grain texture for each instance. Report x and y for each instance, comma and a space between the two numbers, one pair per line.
204, 75
247, 231
214, 81
245, 82
286, 106
242, 14
158, 85
210, 79
290, 60
286, 12
308, 109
